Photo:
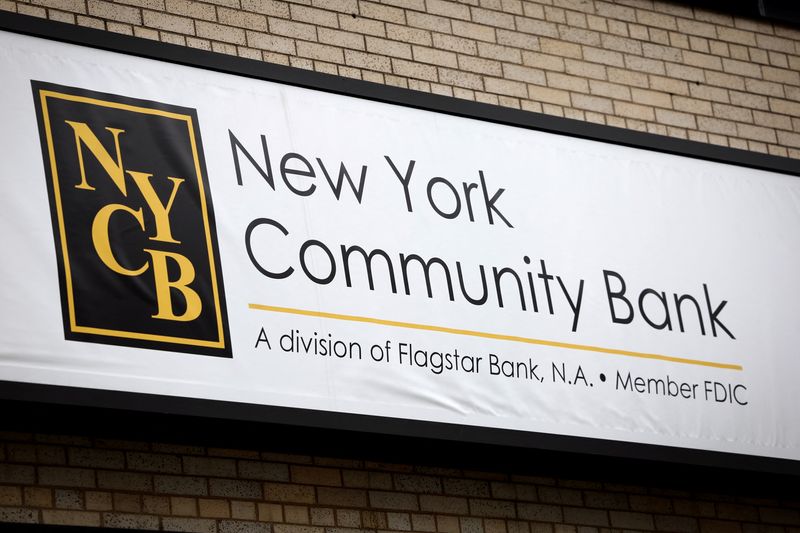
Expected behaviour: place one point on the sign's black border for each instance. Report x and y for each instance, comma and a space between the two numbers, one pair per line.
211, 409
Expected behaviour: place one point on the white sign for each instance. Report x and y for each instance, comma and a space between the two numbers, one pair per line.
171, 230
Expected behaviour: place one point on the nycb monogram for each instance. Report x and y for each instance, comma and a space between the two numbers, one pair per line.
133, 222
161, 232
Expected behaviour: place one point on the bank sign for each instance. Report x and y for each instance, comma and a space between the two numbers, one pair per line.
174, 231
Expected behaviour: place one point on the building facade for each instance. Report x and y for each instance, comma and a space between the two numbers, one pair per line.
659, 67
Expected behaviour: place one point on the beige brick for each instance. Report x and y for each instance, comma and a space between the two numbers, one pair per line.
742, 68
243, 510
506, 87
499, 52
636, 111
605, 57
281, 492
164, 21
517, 39
615, 11
130, 521
533, 26
224, 48
65, 477
578, 35
780, 75
669, 85
610, 90
493, 18
157, 505
428, 22
448, 9
675, 118
115, 12
342, 497
227, 34
195, 525
789, 139
688, 73
10, 496
621, 44
702, 60
367, 61
414, 70
208, 508
273, 43
560, 48
772, 42
124, 481
659, 20
590, 103
192, 9
757, 133
524, 74
643, 64
478, 32
71, 518
480, 66
183, 506
785, 107
771, 120
586, 70
40, 12
296, 514
652, 98
764, 87
382, 12
543, 61
129, 503
242, 19
409, 35
695, 27
312, 15
455, 44
295, 30
460, 79
386, 47
691, 105
565, 81
316, 476
362, 25
708, 92
38, 497
727, 81
322, 52
276, 8
268, 512
393, 500
729, 112
433, 56
153, 462
74, 6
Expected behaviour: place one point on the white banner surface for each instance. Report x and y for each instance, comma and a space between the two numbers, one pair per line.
176, 231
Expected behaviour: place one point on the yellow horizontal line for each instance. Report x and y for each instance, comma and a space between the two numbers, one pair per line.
496, 336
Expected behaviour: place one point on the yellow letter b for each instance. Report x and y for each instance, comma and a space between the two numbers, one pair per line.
163, 285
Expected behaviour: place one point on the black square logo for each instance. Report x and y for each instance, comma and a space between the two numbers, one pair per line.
133, 222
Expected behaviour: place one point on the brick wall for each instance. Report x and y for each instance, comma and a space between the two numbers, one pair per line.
54, 479
639, 64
